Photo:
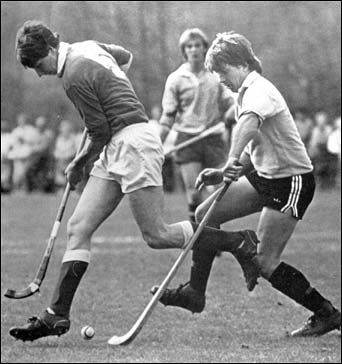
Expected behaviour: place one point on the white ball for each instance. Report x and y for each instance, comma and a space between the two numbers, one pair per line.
87, 332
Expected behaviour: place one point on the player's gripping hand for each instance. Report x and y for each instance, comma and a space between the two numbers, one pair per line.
209, 176
232, 170
74, 174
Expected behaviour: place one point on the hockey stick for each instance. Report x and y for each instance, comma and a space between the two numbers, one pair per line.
34, 286
134, 331
216, 129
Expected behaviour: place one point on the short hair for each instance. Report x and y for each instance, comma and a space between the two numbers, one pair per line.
234, 49
33, 42
192, 33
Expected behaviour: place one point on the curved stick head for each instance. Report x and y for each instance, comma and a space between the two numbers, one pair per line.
26, 292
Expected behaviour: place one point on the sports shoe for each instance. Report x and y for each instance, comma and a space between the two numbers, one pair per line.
318, 325
184, 296
39, 327
245, 255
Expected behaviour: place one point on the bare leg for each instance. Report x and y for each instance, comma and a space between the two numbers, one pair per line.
274, 231
99, 199
240, 200
147, 207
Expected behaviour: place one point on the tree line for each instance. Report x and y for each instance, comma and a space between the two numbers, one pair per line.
298, 42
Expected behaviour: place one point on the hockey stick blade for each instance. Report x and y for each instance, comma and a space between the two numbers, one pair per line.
134, 331
136, 328
31, 289
34, 286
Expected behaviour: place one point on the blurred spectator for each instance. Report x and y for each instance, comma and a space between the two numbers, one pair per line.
24, 137
334, 139
324, 161
64, 152
6, 163
304, 125
334, 145
40, 172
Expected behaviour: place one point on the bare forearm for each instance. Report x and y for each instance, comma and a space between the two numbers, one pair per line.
166, 123
90, 152
245, 130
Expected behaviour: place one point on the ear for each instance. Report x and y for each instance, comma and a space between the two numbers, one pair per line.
244, 67
53, 51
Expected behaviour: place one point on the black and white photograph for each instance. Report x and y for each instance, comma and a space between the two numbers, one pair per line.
170, 181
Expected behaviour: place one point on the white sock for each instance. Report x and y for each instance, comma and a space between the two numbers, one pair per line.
188, 231
82, 255
50, 311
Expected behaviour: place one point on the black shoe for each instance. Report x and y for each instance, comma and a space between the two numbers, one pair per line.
318, 325
245, 255
39, 327
184, 296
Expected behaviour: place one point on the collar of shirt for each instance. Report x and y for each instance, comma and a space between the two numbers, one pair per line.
251, 77
248, 80
62, 54
185, 71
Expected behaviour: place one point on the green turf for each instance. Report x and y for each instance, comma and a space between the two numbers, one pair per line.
235, 327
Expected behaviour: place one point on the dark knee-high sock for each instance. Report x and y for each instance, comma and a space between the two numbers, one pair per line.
69, 278
216, 239
202, 261
293, 284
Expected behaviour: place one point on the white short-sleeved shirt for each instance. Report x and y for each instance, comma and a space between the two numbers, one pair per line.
197, 100
277, 151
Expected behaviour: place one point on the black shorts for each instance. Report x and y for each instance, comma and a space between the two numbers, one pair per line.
211, 151
282, 194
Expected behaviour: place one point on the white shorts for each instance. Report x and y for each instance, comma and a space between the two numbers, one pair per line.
134, 158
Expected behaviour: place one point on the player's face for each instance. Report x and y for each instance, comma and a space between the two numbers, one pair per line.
232, 76
47, 65
195, 50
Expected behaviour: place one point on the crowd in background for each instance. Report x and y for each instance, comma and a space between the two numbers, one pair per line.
34, 156
322, 138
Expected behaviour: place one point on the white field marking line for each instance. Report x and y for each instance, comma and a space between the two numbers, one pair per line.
16, 251
117, 239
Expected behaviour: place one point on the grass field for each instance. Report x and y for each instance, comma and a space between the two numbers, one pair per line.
236, 326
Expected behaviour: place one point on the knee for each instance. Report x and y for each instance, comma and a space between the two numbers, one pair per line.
267, 264
78, 234
154, 240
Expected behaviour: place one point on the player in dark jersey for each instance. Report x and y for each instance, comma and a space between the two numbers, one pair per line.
128, 159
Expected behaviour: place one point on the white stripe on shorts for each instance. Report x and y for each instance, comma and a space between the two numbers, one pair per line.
297, 195
296, 187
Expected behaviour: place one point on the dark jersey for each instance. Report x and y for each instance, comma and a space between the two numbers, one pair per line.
98, 88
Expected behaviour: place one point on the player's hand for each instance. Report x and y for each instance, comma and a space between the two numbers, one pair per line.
74, 174
209, 176
232, 170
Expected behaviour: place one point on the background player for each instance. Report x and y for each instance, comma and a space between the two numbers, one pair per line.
194, 100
